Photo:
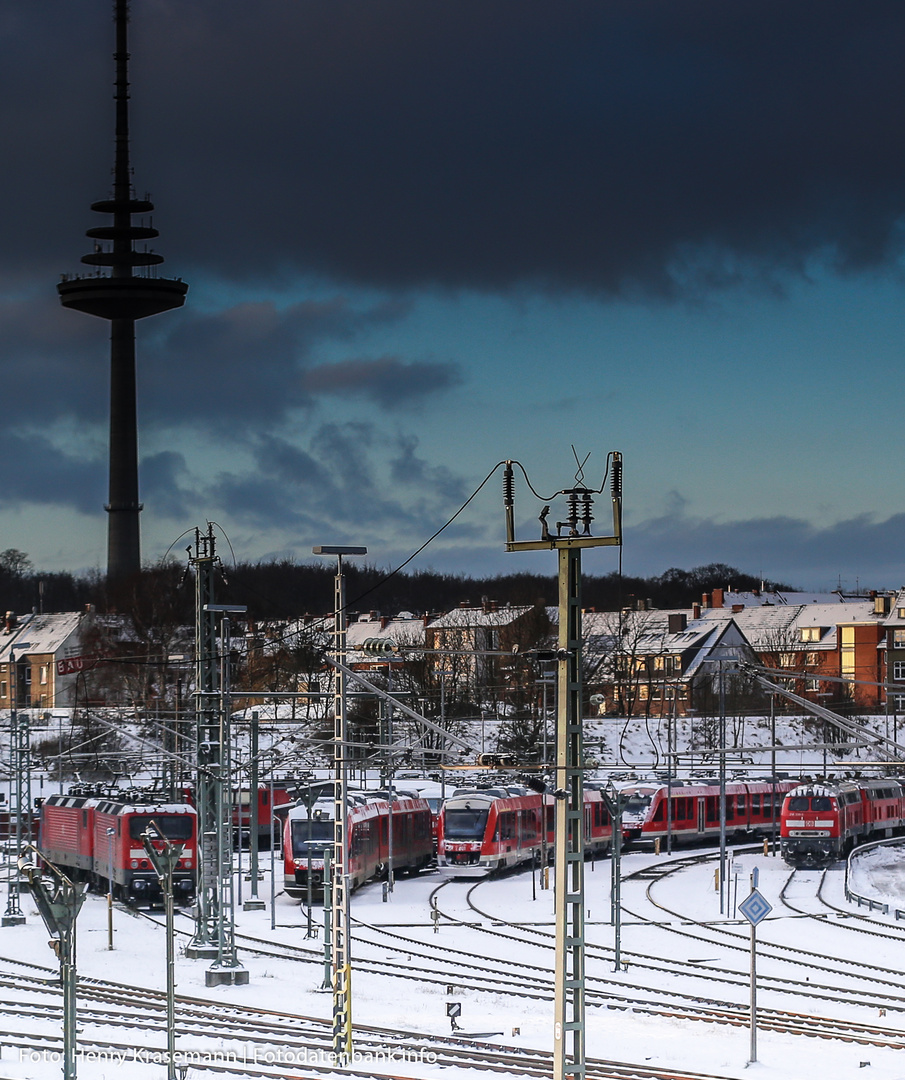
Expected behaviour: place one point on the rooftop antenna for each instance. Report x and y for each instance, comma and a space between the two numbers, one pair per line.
122, 296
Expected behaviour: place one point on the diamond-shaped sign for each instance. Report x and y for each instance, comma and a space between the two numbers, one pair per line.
755, 907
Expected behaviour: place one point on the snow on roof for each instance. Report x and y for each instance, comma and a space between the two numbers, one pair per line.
36, 634
489, 615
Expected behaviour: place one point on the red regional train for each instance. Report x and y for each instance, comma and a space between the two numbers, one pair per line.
487, 829
690, 811
823, 822
371, 818
91, 837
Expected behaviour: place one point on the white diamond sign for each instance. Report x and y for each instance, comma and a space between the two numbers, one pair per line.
755, 907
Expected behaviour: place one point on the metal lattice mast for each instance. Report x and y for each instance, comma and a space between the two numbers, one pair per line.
569, 1010
20, 764
569, 1055
341, 971
226, 968
207, 730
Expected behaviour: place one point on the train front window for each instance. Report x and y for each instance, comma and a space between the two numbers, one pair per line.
316, 835
821, 803
173, 826
799, 803
636, 805
464, 824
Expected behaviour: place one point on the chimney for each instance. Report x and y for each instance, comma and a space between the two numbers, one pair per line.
716, 599
705, 600
11, 621
696, 611
384, 622
736, 608
678, 621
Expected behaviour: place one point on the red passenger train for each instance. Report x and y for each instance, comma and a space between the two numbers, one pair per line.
380, 833
95, 837
823, 822
487, 829
689, 811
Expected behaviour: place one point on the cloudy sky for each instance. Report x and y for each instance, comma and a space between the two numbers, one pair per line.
422, 238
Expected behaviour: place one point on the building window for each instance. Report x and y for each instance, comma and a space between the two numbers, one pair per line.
847, 633
898, 639
898, 702
811, 633
43, 674
3, 690
898, 670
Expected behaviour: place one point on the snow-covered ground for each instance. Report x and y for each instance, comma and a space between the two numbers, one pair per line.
656, 1042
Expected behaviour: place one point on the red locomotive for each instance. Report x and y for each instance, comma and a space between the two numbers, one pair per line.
379, 832
823, 822
488, 829
689, 812
96, 837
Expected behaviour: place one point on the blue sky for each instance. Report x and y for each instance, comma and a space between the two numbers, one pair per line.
423, 239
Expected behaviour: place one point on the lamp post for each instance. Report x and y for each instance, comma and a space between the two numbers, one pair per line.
341, 967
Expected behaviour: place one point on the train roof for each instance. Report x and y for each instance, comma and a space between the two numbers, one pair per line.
117, 806
360, 804
112, 805
817, 788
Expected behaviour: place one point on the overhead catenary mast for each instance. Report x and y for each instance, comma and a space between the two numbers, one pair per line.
122, 297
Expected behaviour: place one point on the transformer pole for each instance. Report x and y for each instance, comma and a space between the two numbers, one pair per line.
569, 1055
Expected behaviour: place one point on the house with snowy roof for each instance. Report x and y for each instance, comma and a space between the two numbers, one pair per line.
657, 663
42, 657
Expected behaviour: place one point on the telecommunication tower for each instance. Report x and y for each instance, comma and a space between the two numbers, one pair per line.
122, 296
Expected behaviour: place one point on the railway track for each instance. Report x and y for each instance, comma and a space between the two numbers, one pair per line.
238, 1040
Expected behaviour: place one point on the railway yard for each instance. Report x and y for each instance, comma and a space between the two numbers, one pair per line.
830, 982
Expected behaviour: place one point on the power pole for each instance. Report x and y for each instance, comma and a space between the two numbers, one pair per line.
214, 921
207, 730
341, 961
569, 1056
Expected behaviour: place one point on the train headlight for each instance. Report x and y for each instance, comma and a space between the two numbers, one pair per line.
134, 864
139, 885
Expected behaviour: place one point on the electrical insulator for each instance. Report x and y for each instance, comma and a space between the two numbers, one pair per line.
575, 497
508, 486
617, 476
586, 516
378, 645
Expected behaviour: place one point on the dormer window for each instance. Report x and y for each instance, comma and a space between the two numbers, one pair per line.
811, 633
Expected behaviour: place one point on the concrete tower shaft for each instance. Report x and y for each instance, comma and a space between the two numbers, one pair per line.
117, 293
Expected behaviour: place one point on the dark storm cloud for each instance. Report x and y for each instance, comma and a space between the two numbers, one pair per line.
581, 145
163, 479
782, 548
333, 484
47, 357
252, 363
387, 381
36, 472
